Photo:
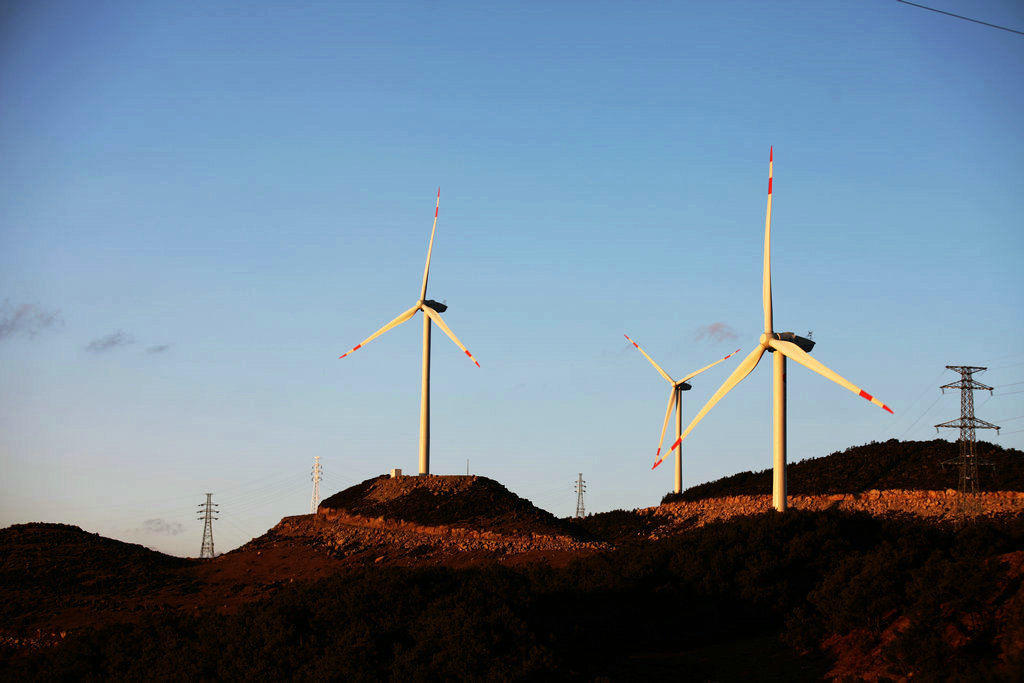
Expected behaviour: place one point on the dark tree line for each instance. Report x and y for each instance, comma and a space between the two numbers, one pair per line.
727, 602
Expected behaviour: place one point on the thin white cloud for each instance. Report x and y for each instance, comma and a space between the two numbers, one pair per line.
26, 319
162, 527
715, 332
110, 342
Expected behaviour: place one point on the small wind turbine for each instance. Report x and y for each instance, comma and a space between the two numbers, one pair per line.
432, 311
676, 399
783, 345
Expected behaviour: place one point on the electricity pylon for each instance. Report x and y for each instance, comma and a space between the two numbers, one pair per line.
208, 510
318, 472
967, 502
581, 487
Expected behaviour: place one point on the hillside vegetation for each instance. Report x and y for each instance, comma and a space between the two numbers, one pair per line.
906, 465
457, 578
857, 594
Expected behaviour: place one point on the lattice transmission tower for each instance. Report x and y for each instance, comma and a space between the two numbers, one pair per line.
967, 424
581, 487
207, 511
318, 471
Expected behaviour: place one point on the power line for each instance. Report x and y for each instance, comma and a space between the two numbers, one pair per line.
907, 430
959, 16
906, 412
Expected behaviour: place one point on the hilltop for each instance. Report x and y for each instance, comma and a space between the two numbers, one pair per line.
471, 502
889, 465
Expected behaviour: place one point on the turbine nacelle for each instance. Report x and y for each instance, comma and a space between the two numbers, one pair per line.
683, 386
805, 344
436, 305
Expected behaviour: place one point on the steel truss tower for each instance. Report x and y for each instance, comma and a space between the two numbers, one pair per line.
207, 511
581, 487
318, 472
967, 424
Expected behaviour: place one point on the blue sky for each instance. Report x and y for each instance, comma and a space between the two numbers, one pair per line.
203, 205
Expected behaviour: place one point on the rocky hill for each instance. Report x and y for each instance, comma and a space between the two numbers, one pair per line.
469, 502
889, 465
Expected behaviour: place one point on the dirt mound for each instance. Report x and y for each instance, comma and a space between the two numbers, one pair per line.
470, 502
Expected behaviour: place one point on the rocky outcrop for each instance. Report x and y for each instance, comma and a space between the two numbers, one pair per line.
935, 505
363, 540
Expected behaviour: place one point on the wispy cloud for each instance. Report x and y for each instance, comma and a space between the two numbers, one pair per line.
715, 332
110, 341
160, 348
26, 319
162, 527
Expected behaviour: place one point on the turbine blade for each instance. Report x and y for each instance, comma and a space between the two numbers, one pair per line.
694, 374
791, 350
741, 371
766, 288
439, 321
664, 426
656, 366
394, 323
426, 268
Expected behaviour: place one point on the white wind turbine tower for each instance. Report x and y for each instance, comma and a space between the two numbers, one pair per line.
675, 399
783, 345
432, 311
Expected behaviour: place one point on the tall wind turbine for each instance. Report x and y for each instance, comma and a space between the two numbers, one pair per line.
783, 345
676, 399
432, 311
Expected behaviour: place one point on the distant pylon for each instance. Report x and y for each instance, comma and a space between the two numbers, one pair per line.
581, 487
967, 502
318, 472
207, 511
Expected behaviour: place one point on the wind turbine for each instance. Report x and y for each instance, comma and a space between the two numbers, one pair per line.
432, 311
783, 345
676, 399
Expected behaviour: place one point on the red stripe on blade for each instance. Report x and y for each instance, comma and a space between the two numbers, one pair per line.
769, 184
864, 394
